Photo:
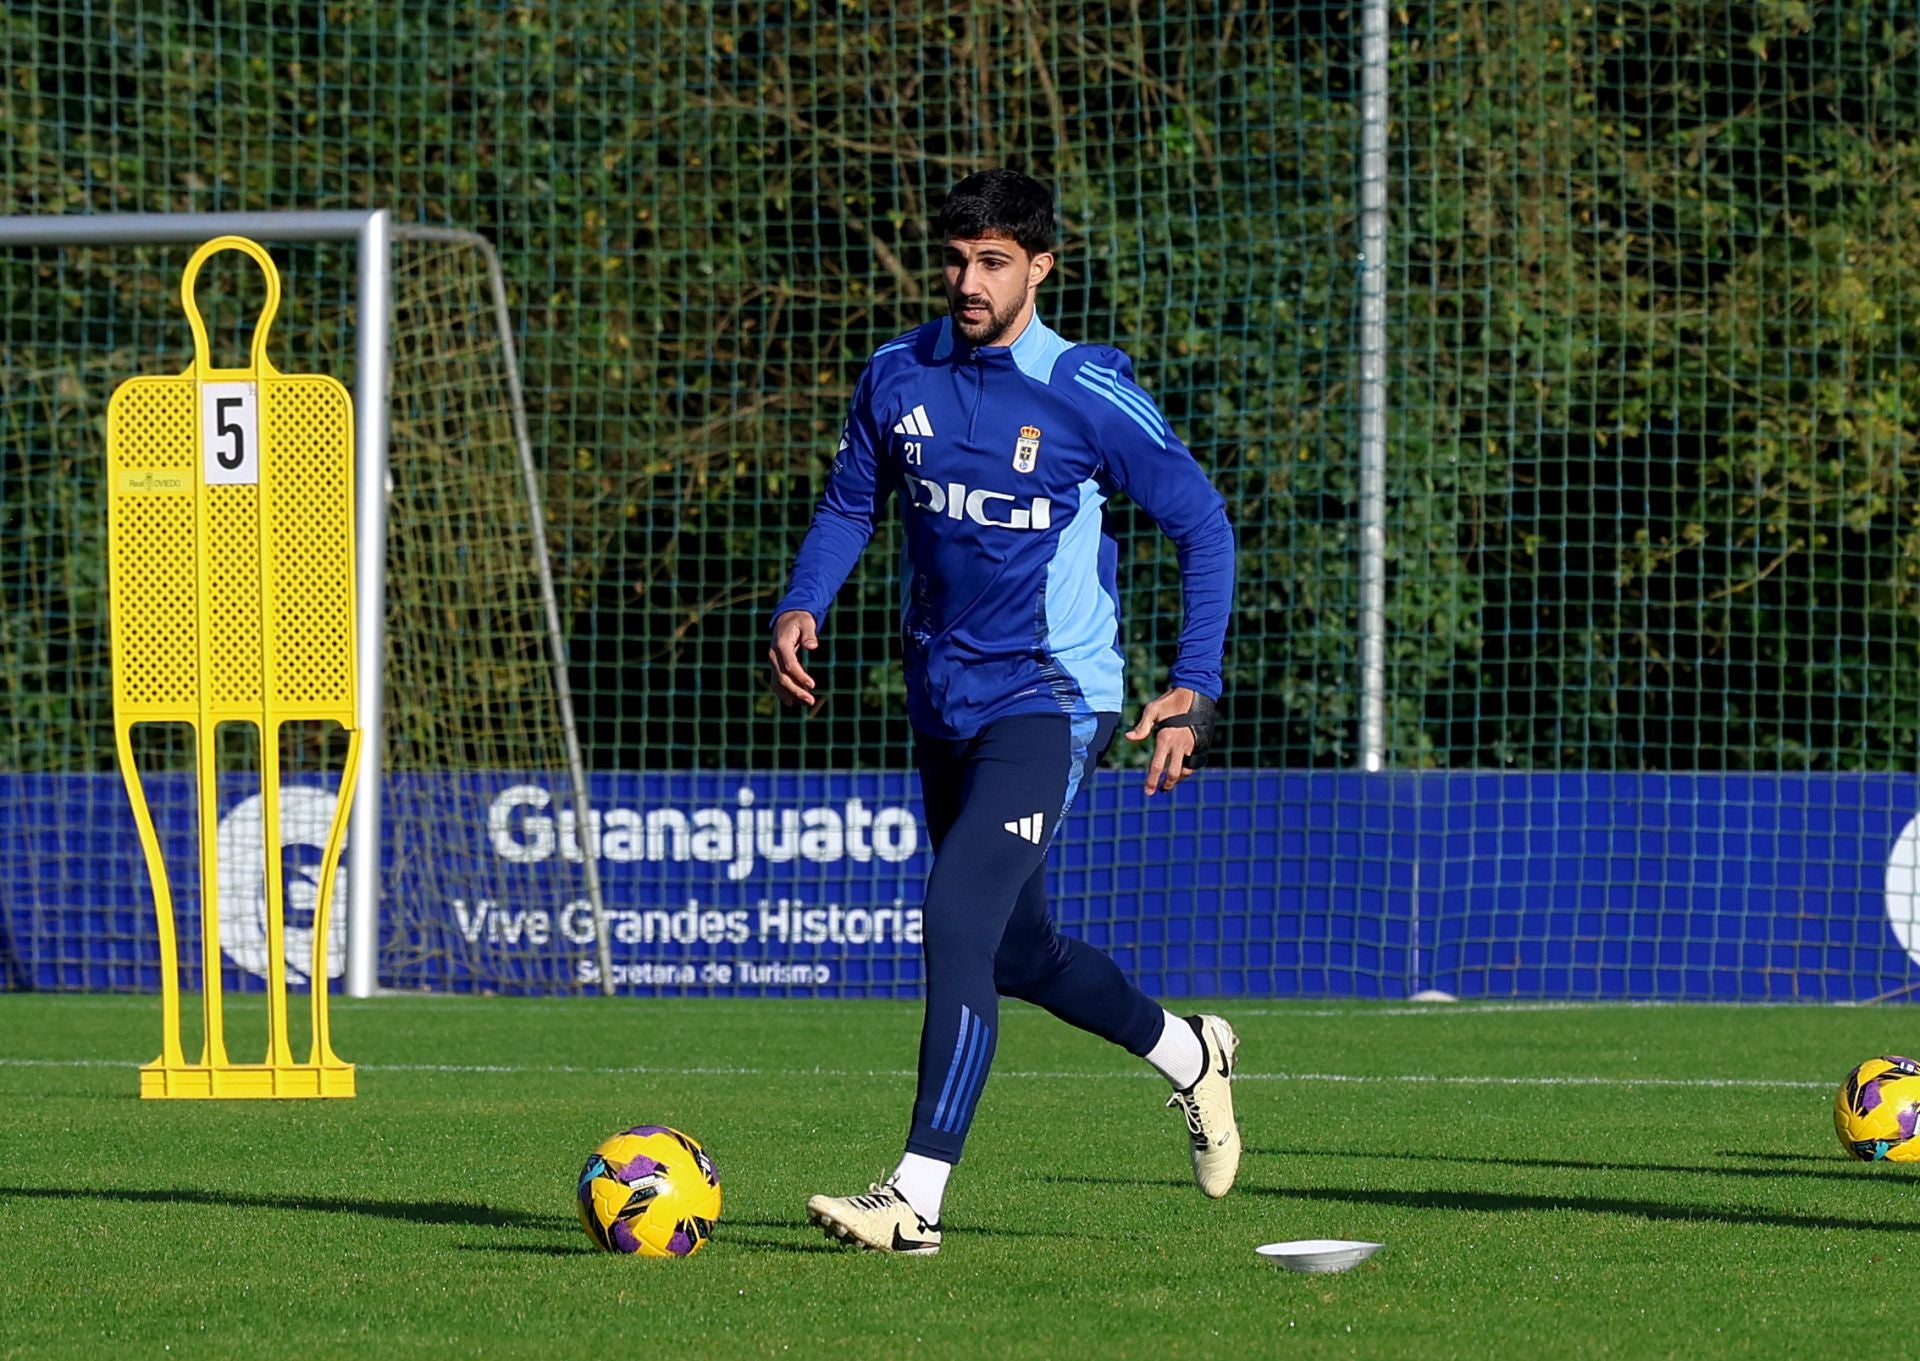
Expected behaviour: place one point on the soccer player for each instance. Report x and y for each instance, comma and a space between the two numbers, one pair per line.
999, 442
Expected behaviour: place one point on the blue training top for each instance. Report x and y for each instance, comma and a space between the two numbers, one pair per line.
1001, 459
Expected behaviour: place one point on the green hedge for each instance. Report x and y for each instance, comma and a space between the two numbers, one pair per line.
1654, 281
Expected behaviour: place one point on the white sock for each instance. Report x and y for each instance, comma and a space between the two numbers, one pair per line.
923, 1181
1177, 1053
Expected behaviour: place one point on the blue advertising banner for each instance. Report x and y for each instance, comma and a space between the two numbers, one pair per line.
1268, 883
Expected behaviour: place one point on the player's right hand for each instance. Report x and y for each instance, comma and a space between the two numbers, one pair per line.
793, 631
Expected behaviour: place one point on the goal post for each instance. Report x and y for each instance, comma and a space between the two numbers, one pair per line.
373, 238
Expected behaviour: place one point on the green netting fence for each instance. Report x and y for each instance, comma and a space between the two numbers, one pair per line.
1652, 299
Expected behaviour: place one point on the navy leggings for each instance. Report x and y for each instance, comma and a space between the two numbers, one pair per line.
993, 802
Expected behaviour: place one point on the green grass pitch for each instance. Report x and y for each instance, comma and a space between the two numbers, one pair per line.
1567, 1181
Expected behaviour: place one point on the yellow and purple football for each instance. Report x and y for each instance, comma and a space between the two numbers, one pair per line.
650, 1191
1877, 1108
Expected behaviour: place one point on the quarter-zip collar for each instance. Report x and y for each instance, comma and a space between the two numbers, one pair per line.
1032, 353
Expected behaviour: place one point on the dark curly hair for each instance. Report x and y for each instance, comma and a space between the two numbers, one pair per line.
1002, 203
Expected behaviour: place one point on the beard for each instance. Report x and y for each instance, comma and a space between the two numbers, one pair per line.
989, 329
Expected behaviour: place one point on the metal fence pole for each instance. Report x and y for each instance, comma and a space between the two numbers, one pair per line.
375, 270
1373, 386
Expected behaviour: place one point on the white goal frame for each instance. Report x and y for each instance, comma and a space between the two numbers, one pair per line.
373, 231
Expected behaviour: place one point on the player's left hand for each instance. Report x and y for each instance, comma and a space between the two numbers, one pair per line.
1180, 723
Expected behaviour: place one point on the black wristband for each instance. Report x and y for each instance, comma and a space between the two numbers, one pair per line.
1200, 719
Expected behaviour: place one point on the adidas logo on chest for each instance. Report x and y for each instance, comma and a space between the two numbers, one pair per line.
915, 424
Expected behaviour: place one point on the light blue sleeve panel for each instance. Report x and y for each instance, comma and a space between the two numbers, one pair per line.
857, 489
1083, 617
1141, 456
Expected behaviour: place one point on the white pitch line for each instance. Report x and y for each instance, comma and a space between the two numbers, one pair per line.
1362, 1011
1352, 1008
1357, 1009
1554, 1080
1373, 1079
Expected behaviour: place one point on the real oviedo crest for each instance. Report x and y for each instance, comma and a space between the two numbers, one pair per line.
1026, 451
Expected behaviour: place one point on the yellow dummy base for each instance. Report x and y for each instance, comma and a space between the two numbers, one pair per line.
244, 1081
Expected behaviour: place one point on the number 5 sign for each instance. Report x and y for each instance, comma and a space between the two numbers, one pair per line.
230, 433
